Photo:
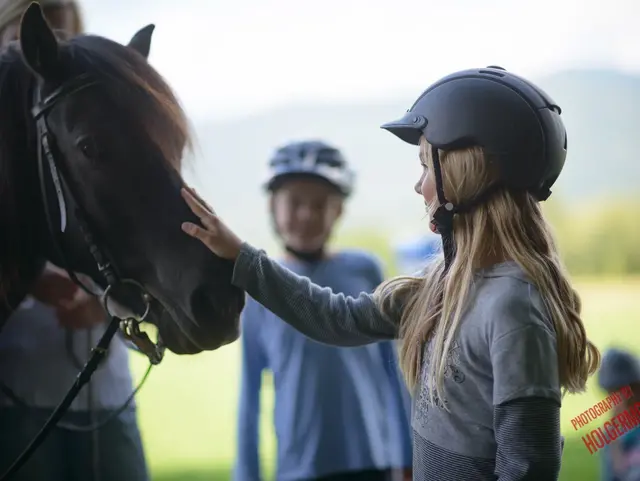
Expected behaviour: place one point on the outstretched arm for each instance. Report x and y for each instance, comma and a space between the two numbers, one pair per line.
315, 311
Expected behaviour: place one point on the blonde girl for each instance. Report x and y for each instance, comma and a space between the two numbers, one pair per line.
491, 332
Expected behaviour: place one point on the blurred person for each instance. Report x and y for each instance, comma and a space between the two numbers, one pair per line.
44, 345
491, 332
620, 459
340, 414
413, 255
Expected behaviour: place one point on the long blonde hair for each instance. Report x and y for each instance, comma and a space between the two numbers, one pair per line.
510, 225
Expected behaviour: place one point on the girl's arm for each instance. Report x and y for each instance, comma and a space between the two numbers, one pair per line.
528, 437
315, 311
526, 389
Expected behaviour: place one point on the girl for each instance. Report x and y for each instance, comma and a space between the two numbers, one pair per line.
491, 334
340, 414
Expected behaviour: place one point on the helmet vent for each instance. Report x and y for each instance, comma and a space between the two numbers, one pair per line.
491, 72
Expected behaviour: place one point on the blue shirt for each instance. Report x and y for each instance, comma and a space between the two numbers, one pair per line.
630, 447
412, 256
336, 409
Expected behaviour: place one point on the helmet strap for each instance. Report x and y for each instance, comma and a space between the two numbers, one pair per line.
442, 220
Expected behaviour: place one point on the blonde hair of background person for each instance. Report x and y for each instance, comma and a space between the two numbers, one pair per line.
11, 12
498, 222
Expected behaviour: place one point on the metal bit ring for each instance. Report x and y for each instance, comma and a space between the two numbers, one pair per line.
143, 294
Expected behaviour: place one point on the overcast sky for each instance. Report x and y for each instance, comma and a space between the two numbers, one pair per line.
226, 58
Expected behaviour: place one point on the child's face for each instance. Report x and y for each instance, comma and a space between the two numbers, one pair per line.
426, 185
305, 211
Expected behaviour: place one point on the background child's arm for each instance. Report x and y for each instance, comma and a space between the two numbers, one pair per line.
254, 362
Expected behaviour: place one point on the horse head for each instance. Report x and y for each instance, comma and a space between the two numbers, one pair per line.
118, 135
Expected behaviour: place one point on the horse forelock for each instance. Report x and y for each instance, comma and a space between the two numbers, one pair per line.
141, 92
144, 97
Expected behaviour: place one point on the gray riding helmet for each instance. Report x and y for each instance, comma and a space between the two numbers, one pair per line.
515, 122
310, 158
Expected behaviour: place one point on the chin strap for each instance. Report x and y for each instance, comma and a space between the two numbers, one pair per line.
442, 220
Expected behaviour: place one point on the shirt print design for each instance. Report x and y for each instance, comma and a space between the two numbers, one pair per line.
452, 371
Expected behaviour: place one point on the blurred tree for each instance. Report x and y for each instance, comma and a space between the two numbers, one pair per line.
601, 238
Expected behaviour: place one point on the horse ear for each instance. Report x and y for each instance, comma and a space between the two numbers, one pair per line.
38, 43
141, 41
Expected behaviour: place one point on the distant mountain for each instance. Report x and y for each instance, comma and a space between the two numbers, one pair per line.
601, 110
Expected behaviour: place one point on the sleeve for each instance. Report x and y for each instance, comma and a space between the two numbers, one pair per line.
528, 437
526, 391
316, 312
524, 356
254, 361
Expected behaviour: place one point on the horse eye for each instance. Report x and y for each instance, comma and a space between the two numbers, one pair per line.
88, 147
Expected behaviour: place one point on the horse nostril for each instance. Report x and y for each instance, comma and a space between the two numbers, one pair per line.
203, 307
214, 324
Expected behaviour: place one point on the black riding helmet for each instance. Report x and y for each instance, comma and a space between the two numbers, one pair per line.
515, 122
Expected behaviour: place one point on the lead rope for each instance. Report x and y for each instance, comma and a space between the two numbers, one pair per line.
95, 433
97, 354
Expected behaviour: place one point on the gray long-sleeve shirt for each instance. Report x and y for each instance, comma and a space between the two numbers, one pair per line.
502, 389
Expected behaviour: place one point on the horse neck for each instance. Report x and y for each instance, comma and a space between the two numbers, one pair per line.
21, 213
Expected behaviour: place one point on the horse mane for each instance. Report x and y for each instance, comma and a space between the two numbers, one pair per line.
129, 81
17, 145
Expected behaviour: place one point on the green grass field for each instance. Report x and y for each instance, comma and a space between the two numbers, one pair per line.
188, 406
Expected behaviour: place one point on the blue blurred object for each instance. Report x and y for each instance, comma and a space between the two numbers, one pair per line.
618, 369
413, 254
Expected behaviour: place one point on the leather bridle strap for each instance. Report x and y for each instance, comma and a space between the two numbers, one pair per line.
46, 153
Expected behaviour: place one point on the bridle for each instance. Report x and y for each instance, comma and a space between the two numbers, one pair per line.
129, 325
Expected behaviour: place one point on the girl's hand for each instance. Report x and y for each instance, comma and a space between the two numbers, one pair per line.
214, 233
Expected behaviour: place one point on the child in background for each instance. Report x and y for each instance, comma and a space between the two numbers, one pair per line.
413, 255
340, 414
621, 458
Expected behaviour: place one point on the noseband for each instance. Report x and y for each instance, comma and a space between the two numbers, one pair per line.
130, 325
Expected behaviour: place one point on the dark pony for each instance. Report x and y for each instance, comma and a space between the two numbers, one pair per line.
119, 144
